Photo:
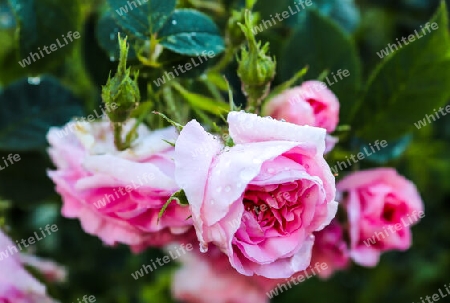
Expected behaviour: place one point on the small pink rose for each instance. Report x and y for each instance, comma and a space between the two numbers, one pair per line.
118, 195
330, 250
311, 103
381, 206
261, 200
206, 278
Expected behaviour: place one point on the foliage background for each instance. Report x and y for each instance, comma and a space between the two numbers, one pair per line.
341, 35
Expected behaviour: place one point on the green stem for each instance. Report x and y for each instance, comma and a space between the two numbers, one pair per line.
118, 136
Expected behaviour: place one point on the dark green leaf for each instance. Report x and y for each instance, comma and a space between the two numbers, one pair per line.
409, 84
321, 45
43, 26
191, 33
29, 108
142, 18
393, 150
107, 35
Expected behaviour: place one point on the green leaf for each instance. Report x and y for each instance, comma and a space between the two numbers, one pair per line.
407, 85
107, 31
43, 26
191, 33
201, 102
29, 108
142, 18
179, 197
321, 45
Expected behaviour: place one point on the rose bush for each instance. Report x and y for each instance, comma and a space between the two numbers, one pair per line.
260, 200
118, 195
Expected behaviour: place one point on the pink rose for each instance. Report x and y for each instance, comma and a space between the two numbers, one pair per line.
330, 249
118, 195
16, 284
209, 278
260, 200
311, 103
381, 205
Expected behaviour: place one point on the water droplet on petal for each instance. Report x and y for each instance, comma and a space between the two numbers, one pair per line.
227, 188
212, 202
34, 80
203, 247
219, 189
270, 170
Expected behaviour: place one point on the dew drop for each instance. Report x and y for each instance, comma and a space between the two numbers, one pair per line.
112, 58
112, 36
219, 189
227, 188
174, 22
203, 247
212, 202
34, 80
270, 170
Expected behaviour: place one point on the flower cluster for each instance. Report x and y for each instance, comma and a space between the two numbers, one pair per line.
262, 209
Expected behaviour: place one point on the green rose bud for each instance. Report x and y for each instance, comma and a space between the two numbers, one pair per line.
121, 89
256, 69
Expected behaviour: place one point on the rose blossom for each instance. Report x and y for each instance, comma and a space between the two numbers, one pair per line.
118, 195
205, 278
16, 284
381, 205
331, 249
260, 200
311, 103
